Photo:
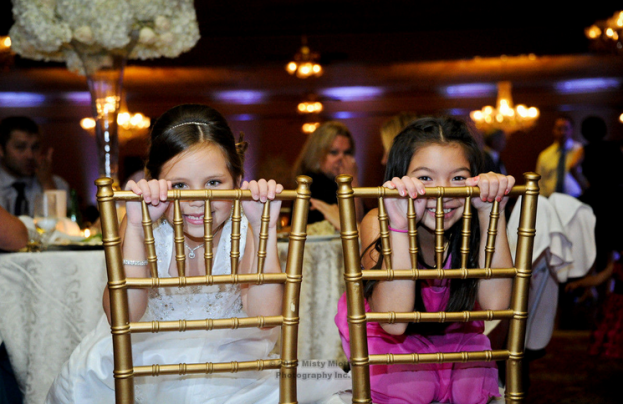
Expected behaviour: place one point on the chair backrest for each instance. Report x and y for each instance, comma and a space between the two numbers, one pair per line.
354, 276
118, 284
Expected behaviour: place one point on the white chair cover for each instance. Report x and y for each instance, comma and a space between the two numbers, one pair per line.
564, 247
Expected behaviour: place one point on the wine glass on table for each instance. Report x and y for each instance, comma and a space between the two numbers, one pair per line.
45, 215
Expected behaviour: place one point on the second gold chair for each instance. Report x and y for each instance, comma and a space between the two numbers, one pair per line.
355, 277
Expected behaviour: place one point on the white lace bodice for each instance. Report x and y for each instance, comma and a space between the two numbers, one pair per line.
195, 302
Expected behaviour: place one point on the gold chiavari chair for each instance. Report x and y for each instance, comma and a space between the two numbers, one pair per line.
118, 284
354, 276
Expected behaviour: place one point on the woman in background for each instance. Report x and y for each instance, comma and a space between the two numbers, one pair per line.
328, 152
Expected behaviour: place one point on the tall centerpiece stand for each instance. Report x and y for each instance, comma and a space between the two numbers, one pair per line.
104, 74
95, 39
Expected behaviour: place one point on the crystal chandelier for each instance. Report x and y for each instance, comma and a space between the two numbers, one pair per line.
310, 127
305, 63
310, 107
505, 116
606, 35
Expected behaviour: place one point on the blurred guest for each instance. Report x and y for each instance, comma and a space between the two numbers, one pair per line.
392, 127
495, 143
603, 160
13, 236
328, 152
25, 171
13, 233
559, 164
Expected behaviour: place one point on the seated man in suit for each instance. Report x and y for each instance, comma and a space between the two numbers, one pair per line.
25, 171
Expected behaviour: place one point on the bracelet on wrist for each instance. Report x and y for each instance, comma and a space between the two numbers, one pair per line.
135, 263
397, 230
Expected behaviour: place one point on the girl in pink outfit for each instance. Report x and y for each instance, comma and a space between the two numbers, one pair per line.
433, 152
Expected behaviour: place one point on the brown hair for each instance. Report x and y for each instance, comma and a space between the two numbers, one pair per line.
393, 126
188, 126
318, 145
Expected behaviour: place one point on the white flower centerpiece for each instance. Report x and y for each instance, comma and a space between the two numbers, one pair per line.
95, 38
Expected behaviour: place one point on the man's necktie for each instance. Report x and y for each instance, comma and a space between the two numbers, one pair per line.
21, 203
561, 170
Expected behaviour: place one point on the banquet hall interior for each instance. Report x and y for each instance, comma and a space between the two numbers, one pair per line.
378, 58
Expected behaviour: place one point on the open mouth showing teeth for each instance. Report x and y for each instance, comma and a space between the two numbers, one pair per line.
444, 211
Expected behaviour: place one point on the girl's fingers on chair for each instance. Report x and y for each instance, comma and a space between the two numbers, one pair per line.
262, 189
399, 186
510, 185
164, 187
410, 186
143, 189
272, 189
483, 184
154, 192
131, 186
389, 185
254, 188
502, 185
494, 185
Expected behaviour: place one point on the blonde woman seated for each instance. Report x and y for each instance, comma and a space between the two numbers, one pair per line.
328, 152
391, 128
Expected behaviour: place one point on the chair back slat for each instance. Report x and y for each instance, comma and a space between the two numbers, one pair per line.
292, 292
386, 250
206, 324
515, 390
208, 237
120, 316
359, 359
236, 218
411, 219
261, 250
150, 242
178, 237
207, 368
440, 247
492, 232
118, 285
437, 317
354, 277
466, 231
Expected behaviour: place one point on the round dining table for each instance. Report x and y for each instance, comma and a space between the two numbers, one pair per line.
50, 300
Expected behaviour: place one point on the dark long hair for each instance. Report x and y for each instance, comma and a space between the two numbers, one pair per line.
191, 125
421, 133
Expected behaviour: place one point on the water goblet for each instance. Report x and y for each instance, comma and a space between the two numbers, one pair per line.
45, 215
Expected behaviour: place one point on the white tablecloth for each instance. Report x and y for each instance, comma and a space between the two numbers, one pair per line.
322, 287
49, 301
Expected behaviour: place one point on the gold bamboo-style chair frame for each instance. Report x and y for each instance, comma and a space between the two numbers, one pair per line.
118, 284
354, 276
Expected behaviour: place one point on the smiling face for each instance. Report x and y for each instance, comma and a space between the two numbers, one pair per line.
202, 167
333, 162
441, 165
